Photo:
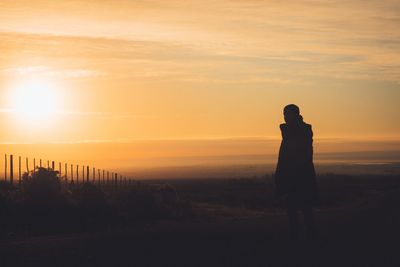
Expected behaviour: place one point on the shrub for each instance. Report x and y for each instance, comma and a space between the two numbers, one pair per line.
89, 197
137, 204
92, 209
42, 188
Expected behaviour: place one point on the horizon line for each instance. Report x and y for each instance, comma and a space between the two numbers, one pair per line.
216, 138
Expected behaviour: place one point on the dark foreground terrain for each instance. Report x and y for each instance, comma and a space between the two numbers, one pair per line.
229, 223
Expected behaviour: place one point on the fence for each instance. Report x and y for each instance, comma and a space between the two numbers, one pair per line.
68, 173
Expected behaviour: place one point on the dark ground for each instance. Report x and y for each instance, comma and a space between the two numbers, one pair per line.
236, 225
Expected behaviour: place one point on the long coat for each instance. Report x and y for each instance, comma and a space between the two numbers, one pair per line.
295, 173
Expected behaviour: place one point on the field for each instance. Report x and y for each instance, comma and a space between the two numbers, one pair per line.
214, 222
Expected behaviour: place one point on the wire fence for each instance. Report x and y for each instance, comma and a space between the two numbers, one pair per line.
15, 167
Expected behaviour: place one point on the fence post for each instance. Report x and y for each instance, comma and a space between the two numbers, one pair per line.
27, 164
5, 167
66, 172
87, 174
72, 173
83, 174
34, 165
40, 163
59, 169
11, 169
98, 178
94, 175
48, 164
108, 177
103, 176
116, 180
77, 174
53, 166
19, 170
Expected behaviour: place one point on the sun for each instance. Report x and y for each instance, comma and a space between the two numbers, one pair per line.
34, 101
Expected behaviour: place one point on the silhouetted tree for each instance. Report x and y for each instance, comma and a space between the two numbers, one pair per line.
42, 188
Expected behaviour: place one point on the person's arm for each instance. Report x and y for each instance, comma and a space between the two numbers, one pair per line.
279, 167
310, 158
309, 146
282, 151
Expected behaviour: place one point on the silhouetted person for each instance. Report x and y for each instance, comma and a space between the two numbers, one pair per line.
295, 173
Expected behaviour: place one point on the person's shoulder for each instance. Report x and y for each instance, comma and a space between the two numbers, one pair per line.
283, 126
308, 128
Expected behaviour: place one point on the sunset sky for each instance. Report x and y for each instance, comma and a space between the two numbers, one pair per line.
122, 71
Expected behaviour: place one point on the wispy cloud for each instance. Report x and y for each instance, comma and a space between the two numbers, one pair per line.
50, 72
89, 114
101, 115
339, 39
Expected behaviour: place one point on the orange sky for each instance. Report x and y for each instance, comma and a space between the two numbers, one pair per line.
121, 71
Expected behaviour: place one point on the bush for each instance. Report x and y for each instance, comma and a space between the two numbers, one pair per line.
137, 204
151, 202
42, 188
89, 197
92, 210
6, 187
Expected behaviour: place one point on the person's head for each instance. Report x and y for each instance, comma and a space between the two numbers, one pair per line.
291, 113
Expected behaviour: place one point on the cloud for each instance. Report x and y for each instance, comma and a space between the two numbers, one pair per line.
50, 72
103, 115
90, 114
294, 39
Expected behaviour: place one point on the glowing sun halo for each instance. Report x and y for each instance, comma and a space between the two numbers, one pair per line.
34, 101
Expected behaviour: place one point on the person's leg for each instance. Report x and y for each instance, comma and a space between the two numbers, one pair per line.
309, 222
294, 227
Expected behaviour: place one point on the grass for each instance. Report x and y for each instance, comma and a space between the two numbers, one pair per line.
44, 205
